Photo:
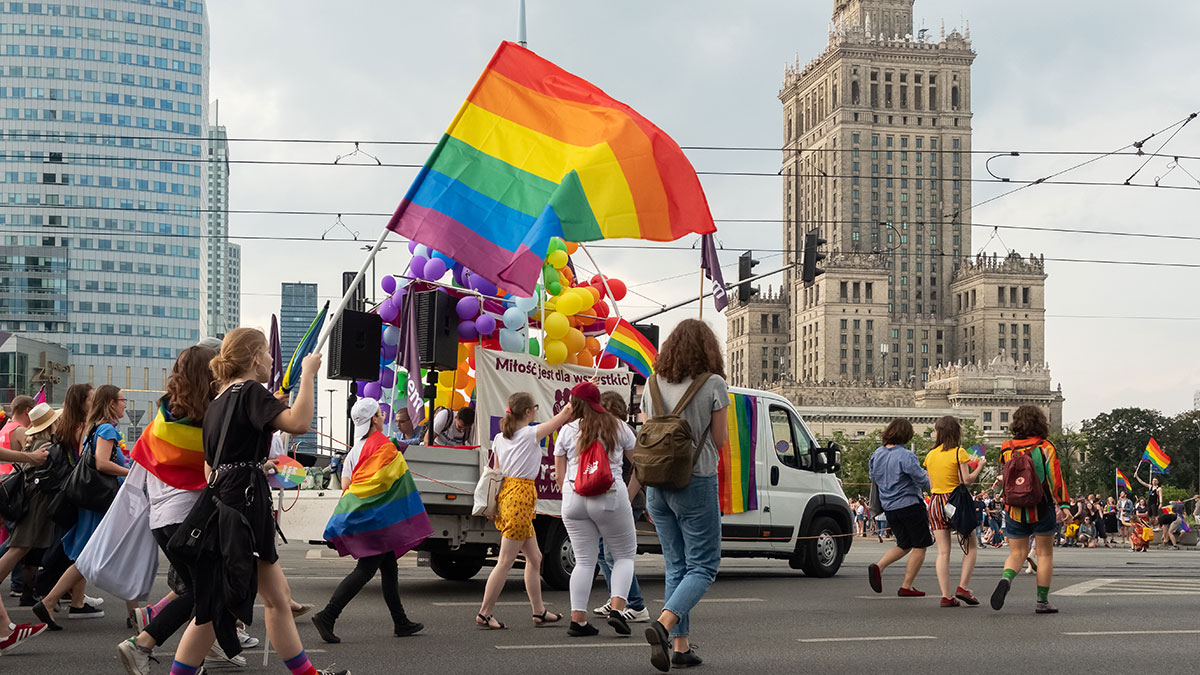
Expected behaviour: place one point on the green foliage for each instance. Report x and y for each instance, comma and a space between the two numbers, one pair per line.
1117, 439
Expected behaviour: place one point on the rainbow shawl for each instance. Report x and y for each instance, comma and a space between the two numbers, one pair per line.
172, 450
536, 152
381, 510
735, 461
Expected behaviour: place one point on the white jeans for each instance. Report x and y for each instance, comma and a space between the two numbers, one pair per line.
588, 519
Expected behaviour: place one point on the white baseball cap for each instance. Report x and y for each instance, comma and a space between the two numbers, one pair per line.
361, 413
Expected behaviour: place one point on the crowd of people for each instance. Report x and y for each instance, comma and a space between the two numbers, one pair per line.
203, 466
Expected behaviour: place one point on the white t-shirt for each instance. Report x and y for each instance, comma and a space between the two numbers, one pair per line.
520, 456
445, 432
168, 505
351, 461
568, 438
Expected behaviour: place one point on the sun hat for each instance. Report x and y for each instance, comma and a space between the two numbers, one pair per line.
41, 417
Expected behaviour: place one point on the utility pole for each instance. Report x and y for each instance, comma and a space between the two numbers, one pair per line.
331, 392
521, 38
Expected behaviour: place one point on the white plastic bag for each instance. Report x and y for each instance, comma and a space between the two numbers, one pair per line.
486, 492
122, 556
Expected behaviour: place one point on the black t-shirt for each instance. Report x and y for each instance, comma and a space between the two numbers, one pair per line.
1167, 518
250, 429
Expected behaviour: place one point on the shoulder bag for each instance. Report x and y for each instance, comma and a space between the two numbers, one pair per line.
14, 497
87, 487
189, 539
487, 490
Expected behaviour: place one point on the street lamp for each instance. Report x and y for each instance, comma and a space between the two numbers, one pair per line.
331, 393
320, 431
883, 352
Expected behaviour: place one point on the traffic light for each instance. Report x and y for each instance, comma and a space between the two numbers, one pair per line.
810, 271
745, 265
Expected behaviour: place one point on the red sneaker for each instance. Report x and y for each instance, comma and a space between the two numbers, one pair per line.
910, 593
950, 602
20, 634
966, 596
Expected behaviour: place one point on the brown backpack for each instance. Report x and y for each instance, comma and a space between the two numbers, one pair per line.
666, 451
1022, 487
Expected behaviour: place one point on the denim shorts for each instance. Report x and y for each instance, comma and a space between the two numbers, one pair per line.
1044, 527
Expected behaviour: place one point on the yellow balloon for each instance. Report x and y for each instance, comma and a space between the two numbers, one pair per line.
557, 325
444, 397
446, 378
586, 298
556, 352
557, 259
575, 341
569, 303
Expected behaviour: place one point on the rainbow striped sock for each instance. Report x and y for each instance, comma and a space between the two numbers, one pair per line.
299, 665
178, 668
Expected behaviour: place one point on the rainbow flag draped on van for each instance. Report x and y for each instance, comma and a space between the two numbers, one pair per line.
381, 510
736, 485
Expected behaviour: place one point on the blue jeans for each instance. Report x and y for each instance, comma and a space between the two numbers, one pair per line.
634, 599
688, 522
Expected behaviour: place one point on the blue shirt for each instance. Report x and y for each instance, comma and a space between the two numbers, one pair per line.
899, 476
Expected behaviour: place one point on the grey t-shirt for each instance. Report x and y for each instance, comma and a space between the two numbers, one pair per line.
713, 396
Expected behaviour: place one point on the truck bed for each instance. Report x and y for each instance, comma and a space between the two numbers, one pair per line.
456, 472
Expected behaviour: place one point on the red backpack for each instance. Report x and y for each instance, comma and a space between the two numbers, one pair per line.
594, 476
1022, 487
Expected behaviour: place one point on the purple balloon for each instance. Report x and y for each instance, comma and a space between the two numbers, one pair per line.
372, 390
386, 378
482, 285
387, 412
467, 308
416, 267
485, 324
412, 246
460, 274
434, 269
388, 311
388, 352
388, 284
359, 388
467, 332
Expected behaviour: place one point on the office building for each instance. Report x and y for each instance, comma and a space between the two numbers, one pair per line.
298, 307
224, 268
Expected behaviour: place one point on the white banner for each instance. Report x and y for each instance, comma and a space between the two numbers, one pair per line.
498, 375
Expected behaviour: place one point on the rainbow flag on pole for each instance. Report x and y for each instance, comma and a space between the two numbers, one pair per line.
627, 344
536, 152
736, 484
1157, 458
1122, 481
381, 510
172, 450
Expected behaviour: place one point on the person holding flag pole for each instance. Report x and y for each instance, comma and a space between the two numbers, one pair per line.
1155, 457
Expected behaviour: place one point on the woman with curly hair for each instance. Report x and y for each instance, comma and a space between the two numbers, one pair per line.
688, 520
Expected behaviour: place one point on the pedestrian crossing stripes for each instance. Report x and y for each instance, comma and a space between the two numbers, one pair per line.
1132, 587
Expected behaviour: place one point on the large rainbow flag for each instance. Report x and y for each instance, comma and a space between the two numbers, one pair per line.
735, 461
381, 510
172, 450
1156, 456
629, 345
536, 152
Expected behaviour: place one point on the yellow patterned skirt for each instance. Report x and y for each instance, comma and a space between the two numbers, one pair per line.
515, 508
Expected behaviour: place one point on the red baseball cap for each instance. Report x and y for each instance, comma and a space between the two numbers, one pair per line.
590, 394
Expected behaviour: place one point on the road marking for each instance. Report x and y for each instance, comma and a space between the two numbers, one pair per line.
1134, 632
1083, 588
476, 604
873, 638
719, 600
603, 645
881, 597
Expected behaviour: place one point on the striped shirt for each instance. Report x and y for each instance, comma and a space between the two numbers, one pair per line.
1045, 462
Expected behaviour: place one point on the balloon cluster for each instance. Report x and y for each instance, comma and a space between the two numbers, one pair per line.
575, 313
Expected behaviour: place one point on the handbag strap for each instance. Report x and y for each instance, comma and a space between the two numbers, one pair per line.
237, 390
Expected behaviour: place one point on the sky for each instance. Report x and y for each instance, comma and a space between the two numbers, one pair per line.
1092, 77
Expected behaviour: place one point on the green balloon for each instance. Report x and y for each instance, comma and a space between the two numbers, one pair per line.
554, 287
557, 244
534, 349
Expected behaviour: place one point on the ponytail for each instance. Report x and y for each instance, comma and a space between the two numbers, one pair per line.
519, 405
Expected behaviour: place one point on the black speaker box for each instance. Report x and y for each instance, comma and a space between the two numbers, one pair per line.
437, 330
354, 347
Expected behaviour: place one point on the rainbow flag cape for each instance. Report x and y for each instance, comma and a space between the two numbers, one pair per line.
172, 450
1122, 481
627, 344
536, 152
736, 484
381, 510
1156, 456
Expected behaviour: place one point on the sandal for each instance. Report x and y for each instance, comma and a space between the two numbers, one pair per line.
546, 618
485, 622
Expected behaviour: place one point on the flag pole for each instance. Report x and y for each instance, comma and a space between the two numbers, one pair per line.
701, 299
331, 321
608, 292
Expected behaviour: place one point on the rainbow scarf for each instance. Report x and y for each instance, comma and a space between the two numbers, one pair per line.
172, 450
735, 461
381, 510
629, 345
536, 152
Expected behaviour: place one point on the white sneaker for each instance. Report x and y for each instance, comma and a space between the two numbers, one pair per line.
94, 602
247, 641
136, 661
217, 653
603, 610
142, 617
636, 615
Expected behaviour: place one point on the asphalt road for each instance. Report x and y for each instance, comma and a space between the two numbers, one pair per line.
1120, 611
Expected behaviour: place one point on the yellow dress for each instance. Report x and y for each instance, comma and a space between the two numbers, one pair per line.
515, 508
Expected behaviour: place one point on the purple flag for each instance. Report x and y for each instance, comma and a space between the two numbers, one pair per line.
276, 378
712, 269
408, 357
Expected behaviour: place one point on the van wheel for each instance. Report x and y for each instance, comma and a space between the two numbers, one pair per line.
558, 558
455, 567
823, 553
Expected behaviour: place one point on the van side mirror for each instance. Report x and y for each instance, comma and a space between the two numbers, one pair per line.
833, 457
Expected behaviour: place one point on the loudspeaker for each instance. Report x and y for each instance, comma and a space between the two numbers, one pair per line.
354, 347
437, 330
650, 331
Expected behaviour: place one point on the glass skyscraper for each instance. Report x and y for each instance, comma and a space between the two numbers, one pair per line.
298, 307
224, 270
104, 122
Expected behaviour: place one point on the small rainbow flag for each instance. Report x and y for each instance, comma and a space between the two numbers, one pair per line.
536, 152
381, 510
41, 396
978, 451
1156, 456
172, 449
1122, 481
736, 485
627, 344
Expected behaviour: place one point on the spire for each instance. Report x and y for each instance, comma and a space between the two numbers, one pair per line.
943, 33
968, 29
